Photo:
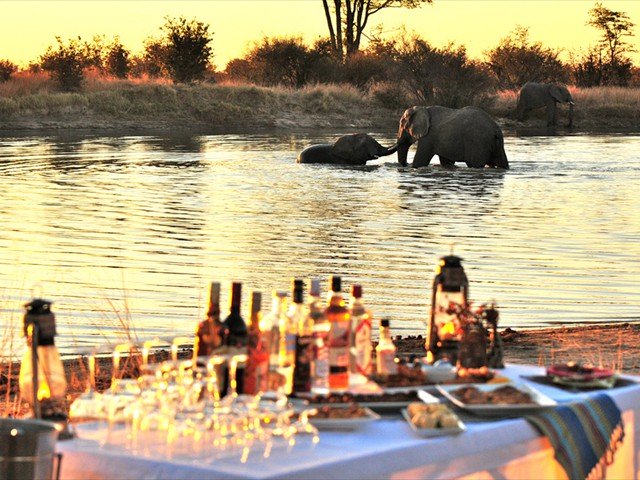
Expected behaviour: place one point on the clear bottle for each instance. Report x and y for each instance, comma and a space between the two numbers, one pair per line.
340, 325
360, 362
295, 316
304, 343
257, 369
208, 337
386, 351
321, 326
272, 322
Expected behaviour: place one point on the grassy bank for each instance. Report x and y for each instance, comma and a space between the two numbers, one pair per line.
30, 101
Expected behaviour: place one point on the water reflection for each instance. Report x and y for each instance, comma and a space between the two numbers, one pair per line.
126, 232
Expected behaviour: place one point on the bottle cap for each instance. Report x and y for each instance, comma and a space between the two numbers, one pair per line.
336, 283
280, 294
356, 290
256, 302
214, 292
236, 294
298, 290
384, 322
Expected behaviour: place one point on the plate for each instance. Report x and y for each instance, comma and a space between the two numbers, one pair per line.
344, 424
540, 401
575, 372
433, 432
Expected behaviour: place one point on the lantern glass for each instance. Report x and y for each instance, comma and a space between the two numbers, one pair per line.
447, 324
52, 383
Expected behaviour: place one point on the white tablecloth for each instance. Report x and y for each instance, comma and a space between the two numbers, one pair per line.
386, 448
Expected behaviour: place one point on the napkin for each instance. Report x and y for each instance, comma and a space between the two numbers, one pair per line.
585, 435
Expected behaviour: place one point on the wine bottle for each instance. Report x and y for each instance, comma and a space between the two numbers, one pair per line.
321, 326
235, 333
257, 370
340, 324
386, 351
208, 336
304, 341
360, 363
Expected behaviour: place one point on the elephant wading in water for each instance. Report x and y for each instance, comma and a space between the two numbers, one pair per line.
466, 135
537, 95
354, 149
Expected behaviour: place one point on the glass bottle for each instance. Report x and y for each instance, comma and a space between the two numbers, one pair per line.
386, 351
208, 336
321, 326
295, 315
235, 333
340, 325
304, 342
360, 363
257, 370
272, 322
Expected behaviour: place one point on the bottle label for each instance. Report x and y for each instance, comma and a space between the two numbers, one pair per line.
320, 357
363, 347
290, 347
302, 371
387, 362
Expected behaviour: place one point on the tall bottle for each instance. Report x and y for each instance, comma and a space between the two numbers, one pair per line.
360, 363
235, 332
257, 369
209, 331
304, 341
272, 322
340, 325
321, 326
295, 314
386, 351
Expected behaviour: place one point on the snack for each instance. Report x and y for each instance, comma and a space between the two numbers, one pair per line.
504, 395
435, 415
363, 398
328, 411
407, 376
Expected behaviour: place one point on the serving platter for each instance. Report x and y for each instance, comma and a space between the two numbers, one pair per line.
344, 424
432, 432
538, 399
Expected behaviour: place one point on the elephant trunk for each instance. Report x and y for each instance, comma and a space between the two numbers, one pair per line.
403, 151
390, 150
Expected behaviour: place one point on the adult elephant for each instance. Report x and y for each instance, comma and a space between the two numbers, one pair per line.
354, 149
537, 95
466, 135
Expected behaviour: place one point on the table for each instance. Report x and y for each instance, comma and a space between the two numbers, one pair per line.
387, 448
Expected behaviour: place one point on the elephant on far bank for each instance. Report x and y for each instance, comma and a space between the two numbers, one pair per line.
353, 149
537, 95
466, 135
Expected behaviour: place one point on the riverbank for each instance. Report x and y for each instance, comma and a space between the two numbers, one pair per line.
613, 346
130, 107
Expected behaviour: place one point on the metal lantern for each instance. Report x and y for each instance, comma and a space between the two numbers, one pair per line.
444, 332
42, 379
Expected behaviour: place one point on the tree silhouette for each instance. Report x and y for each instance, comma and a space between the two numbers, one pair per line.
347, 20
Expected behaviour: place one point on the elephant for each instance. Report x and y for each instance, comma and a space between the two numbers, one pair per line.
466, 135
353, 149
537, 95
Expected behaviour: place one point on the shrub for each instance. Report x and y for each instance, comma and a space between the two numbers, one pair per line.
188, 52
7, 69
153, 61
65, 64
117, 60
516, 61
593, 70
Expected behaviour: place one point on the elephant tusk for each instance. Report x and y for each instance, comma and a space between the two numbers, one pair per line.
571, 103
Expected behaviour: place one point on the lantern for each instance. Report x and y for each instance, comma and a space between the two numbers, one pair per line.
42, 380
444, 332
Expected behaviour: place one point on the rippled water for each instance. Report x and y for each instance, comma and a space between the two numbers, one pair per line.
127, 232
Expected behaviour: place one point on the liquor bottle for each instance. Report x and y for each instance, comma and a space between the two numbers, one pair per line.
304, 341
360, 363
257, 370
340, 324
386, 351
209, 331
295, 314
235, 333
272, 322
321, 326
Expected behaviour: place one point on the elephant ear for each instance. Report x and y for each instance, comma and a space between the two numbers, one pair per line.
556, 93
346, 145
415, 121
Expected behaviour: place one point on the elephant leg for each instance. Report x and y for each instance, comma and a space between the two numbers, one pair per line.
403, 152
446, 163
424, 153
551, 114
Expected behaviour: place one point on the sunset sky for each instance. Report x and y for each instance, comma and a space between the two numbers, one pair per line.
28, 27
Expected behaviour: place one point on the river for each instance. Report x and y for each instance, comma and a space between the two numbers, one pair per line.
125, 233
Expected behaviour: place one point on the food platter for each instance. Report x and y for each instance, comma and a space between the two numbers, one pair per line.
432, 432
344, 423
382, 401
537, 400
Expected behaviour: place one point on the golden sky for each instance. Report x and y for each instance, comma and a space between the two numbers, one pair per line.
28, 27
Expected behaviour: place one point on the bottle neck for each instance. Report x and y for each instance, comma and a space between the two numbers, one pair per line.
385, 334
335, 299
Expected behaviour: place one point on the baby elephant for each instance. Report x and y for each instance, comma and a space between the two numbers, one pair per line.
354, 149
537, 95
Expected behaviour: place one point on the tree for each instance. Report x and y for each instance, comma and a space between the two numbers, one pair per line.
516, 60
614, 27
188, 53
66, 63
7, 68
350, 18
116, 61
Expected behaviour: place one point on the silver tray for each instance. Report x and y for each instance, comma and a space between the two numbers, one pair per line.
433, 432
540, 401
345, 424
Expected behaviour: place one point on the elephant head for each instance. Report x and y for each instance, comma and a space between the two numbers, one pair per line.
414, 124
353, 149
